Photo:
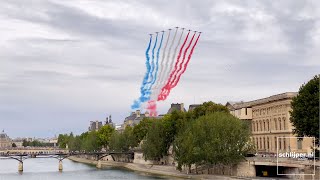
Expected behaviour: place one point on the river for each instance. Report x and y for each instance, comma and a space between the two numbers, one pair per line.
47, 169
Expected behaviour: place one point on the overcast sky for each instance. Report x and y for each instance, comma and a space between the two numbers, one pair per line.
65, 63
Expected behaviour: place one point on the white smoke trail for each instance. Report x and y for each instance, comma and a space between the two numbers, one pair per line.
162, 77
172, 59
156, 87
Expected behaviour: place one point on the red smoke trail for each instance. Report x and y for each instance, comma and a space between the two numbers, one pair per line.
165, 94
184, 57
175, 70
152, 107
166, 89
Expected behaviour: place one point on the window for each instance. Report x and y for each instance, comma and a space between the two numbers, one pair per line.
275, 124
284, 123
268, 124
264, 143
267, 142
279, 123
275, 143
284, 143
246, 111
264, 126
279, 143
299, 143
260, 144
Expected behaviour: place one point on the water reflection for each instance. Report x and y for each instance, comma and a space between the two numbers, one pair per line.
47, 169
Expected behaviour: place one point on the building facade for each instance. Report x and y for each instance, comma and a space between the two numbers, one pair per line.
134, 118
5, 141
270, 124
176, 107
95, 125
193, 106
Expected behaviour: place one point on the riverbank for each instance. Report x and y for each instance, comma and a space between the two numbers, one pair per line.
152, 169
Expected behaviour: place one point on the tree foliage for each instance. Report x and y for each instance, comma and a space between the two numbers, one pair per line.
123, 141
209, 107
217, 138
141, 129
104, 135
88, 141
34, 143
154, 144
305, 109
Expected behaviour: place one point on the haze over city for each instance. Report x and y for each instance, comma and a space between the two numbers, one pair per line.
64, 64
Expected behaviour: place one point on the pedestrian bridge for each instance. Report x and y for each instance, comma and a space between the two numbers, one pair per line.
33, 150
60, 155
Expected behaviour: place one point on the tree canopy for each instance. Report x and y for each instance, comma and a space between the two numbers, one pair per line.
305, 109
217, 138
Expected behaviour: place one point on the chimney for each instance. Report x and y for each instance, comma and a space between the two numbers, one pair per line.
146, 114
138, 113
182, 107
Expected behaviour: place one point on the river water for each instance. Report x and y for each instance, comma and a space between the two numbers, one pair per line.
47, 169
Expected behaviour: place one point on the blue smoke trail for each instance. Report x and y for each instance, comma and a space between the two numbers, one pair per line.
157, 64
152, 61
136, 103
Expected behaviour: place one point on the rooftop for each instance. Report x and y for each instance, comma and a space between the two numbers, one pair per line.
286, 95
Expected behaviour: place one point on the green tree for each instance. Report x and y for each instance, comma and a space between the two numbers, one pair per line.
62, 140
25, 143
90, 142
154, 146
104, 135
305, 109
123, 141
140, 130
217, 138
14, 145
116, 141
209, 107
130, 140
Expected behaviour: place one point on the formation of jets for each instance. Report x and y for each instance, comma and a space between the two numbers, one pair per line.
177, 28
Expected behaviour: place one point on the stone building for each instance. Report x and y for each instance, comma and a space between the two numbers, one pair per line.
270, 124
95, 125
134, 118
193, 106
5, 141
177, 106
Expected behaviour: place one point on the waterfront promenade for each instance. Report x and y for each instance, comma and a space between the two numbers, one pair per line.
153, 169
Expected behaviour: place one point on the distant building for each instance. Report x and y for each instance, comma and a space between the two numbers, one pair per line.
5, 141
193, 106
134, 118
270, 123
177, 107
53, 141
95, 125
18, 142
109, 121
